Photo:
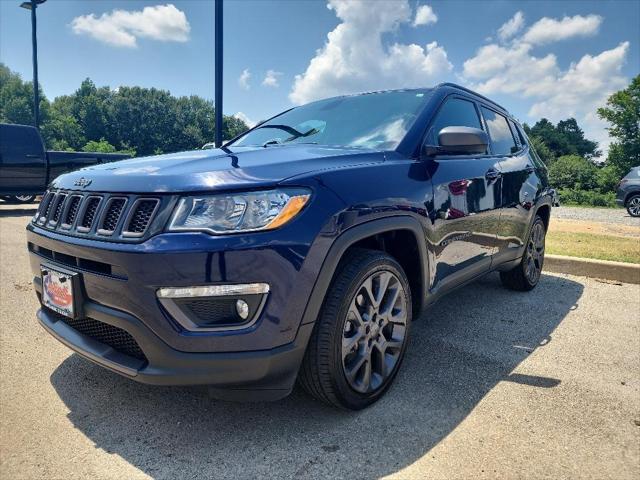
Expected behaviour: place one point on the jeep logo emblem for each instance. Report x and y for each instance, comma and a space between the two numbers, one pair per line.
82, 182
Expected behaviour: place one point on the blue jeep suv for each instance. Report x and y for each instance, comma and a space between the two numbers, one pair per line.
300, 251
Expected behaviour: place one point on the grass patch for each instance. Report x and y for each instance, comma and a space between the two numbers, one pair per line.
590, 245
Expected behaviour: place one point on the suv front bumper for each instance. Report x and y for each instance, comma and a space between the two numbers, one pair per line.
258, 375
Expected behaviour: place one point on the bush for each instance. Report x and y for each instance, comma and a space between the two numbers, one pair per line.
607, 178
590, 198
573, 172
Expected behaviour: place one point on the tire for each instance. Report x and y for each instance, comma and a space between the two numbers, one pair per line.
351, 322
21, 198
633, 205
526, 275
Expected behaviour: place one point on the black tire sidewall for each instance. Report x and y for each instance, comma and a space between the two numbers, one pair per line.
350, 397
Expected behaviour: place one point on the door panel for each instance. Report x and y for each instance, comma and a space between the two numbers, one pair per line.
521, 185
466, 217
466, 198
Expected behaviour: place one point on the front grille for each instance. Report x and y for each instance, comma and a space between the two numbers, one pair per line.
124, 217
117, 338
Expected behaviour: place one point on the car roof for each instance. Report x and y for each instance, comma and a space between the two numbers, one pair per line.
445, 85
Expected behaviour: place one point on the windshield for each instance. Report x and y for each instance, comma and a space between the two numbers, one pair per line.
374, 120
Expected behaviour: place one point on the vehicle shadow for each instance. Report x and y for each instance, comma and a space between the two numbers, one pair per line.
464, 345
18, 212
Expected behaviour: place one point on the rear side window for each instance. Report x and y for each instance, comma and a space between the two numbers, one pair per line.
502, 141
455, 112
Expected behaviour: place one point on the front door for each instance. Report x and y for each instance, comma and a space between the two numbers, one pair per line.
466, 201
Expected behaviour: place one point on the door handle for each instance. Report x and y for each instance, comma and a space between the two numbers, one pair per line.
492, 174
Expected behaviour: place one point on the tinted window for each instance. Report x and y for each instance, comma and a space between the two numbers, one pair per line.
455, 112
502, 141
377, 120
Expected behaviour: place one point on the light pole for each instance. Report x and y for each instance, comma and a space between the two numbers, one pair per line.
33, 5
218, 72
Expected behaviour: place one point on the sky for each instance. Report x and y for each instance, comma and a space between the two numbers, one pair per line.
553, 59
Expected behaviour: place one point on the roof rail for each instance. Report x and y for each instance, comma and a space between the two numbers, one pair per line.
460, 87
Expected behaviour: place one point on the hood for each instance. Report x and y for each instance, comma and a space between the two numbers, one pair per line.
218, 169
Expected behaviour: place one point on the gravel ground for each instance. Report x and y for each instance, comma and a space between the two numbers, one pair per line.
604, 215
496, 384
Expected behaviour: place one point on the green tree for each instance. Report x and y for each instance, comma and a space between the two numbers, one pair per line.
623, 113
16, 99
101, 146
574, 172
545, 154
567, 138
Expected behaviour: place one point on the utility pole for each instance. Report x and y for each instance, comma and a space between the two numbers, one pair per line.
218, 72
33, 5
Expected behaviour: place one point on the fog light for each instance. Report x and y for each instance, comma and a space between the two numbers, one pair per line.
243, 309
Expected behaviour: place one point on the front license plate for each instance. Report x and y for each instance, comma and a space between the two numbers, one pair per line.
57, 291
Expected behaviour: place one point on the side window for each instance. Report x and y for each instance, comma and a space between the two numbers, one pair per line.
455, 112
501, 137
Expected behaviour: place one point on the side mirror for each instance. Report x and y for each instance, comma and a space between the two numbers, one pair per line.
459, 141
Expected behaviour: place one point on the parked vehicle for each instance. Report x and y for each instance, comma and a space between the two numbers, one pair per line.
303, 249
26, 168
628, 192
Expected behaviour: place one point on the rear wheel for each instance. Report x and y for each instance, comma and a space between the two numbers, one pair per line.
633, 206
361, 334
526, 275
20, 198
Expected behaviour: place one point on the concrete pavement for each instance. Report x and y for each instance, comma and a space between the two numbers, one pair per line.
496, 384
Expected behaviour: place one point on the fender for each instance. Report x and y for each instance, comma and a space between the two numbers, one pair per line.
348, 238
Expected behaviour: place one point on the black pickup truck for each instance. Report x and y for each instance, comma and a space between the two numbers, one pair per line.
26, 168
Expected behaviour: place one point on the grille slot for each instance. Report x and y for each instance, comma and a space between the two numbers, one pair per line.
72, 211
58, 205
140, 217
115, 337
45, 207
89, 214
112, 212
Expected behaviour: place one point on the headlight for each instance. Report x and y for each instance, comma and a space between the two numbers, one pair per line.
239, 212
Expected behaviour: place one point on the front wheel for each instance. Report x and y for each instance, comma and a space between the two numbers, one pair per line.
361, 334
633, 206
526, 275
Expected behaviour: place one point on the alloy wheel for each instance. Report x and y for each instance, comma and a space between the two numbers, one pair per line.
535, 253
634, 207
374, 332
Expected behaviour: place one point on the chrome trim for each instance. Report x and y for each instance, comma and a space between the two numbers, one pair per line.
105, 211
213, 290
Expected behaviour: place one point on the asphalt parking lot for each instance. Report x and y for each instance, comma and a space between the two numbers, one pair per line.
496, 384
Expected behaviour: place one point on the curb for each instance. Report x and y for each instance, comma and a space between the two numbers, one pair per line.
586, 267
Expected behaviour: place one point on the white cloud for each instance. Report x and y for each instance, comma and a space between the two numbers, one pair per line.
548, 30
511, 27
271, 79
425, 16
354, 57
243, 79
122, 28
241, 116
554, 92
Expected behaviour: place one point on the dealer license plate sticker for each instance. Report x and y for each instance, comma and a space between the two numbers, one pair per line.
57, 291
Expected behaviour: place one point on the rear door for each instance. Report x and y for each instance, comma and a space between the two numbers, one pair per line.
520, 184
466, 199
23, 164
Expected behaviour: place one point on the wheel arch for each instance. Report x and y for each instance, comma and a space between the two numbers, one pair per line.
358, 236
